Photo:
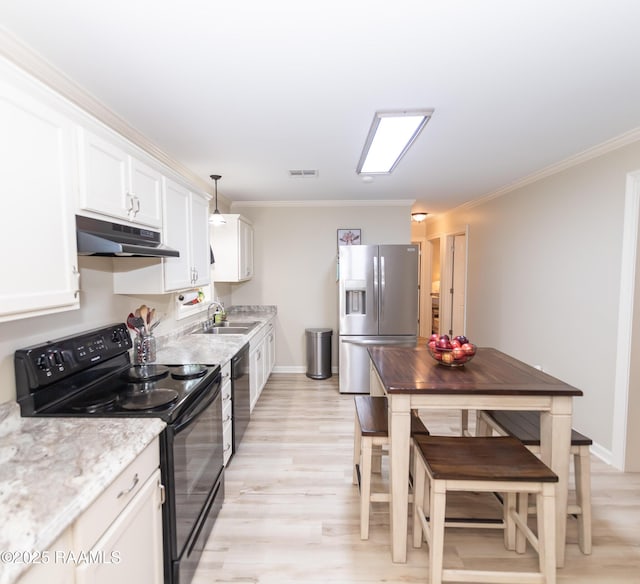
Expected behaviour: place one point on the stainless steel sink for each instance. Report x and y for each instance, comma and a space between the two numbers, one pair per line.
227, 330
231, 324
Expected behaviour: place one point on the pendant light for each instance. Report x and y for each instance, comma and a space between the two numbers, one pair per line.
216, 217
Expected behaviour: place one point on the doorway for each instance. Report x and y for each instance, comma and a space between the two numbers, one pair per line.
454, 285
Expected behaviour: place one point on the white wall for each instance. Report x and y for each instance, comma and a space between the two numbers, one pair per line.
295, 249
544, 277
98, 307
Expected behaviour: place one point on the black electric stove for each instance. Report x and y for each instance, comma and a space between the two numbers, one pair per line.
91, 375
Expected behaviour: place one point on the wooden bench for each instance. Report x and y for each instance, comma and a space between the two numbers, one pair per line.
483, 464
525, 426
372, 430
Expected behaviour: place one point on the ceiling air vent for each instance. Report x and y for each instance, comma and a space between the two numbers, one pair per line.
303, 173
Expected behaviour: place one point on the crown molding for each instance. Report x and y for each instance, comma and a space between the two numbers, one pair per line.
327, 203
599, 150
34, 64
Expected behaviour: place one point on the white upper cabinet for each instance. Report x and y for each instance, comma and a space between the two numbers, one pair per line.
232, 245
37, 221
117, 184
186, 228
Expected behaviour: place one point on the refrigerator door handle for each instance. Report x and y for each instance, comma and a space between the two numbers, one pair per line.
375, 282
382, 286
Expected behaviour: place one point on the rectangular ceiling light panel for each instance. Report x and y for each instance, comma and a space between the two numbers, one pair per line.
390, 136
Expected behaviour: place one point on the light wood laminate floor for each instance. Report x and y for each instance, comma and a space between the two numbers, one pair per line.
291, 513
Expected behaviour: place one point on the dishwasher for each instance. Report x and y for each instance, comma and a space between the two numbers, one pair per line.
240, 394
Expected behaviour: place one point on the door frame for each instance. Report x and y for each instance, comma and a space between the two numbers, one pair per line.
446, 275
628, 320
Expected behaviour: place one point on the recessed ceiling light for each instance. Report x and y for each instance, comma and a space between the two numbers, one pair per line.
389, 138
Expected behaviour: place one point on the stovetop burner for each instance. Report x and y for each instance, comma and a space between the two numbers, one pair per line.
148, 399
146, 372
93, 404
188, 371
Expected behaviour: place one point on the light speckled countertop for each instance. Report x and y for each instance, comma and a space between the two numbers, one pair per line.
218, 349
52, 469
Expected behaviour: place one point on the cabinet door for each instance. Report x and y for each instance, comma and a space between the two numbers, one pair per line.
37, 221
177, 271
246, 250
130, 551
200, 256
104, 176
146, 191
271, 349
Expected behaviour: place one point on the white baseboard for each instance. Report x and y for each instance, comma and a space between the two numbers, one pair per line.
296, 369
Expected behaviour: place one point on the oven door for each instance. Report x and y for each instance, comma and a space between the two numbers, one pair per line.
193, 460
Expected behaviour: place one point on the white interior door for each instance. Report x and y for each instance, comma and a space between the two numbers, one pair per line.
458, 284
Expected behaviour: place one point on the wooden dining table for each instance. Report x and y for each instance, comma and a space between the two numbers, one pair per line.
411, 379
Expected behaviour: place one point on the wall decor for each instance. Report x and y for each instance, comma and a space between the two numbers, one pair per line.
349, 237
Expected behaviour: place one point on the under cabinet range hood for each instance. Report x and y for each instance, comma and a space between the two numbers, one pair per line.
104, 238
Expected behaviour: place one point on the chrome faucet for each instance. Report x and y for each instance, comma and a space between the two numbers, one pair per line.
211, 320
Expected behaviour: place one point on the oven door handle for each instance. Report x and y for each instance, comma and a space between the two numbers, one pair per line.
195, 413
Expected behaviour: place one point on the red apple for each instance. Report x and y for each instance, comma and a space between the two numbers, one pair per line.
434, 337
443, 342
469, 349
458, 353
455, 343
432, 345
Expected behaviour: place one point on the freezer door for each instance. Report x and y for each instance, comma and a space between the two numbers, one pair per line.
358, 290
353, 364
398, 309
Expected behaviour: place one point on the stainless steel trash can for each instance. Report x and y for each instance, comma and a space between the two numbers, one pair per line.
318, 352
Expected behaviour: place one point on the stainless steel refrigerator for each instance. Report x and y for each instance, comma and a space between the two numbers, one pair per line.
378, 303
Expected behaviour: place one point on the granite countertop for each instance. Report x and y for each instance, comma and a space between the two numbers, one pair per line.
52, 469
196, 348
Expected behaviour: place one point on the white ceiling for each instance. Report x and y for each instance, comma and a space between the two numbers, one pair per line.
250, 89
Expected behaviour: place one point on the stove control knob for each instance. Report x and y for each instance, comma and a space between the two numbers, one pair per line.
42, 363
119, 336
57, 358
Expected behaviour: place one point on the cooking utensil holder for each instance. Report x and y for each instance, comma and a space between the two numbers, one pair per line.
145, 349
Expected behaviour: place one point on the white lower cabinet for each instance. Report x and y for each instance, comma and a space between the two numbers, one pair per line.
130, 551
53, 569
227, 412
261, 361
121, 532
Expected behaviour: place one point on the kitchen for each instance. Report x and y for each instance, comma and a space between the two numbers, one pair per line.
532, 242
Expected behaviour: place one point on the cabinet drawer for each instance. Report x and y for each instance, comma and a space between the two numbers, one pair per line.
225, 373
227, 441
226, 413
225, 391
97, 518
